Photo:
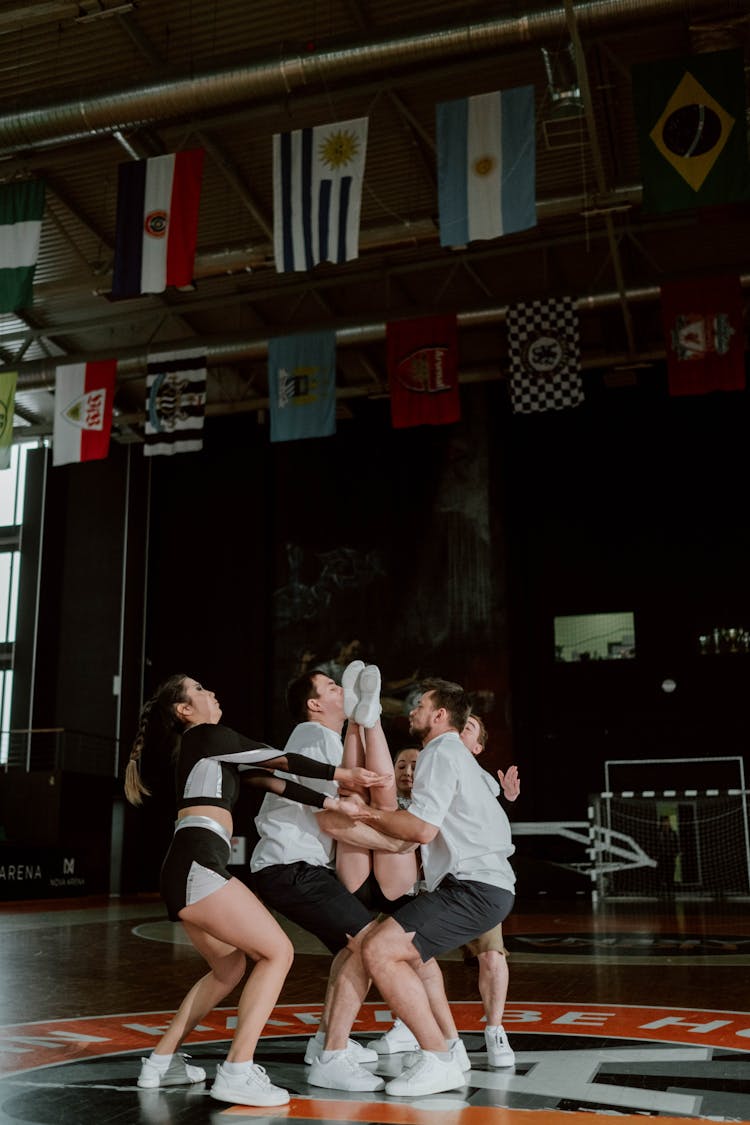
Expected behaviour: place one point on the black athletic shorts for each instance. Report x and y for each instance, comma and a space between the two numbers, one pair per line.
314, 899
457, 911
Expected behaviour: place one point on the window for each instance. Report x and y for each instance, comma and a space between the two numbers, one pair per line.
12, 490
595, 636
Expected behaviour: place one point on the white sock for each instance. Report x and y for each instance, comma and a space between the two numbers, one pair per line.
326, 1056
231, 1068
452, 1042
161, 1062
444, 1056
493, 1027
320, 1037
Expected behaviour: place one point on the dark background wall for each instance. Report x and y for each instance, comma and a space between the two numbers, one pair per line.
445, 550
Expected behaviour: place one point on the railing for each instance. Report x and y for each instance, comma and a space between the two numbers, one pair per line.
54, 748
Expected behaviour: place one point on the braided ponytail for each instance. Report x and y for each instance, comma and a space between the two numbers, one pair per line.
158, 723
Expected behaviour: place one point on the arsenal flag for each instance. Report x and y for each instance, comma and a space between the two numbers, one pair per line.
422, 358
704, 337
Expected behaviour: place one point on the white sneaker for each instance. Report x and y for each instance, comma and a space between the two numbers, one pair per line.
460, 1055
367, 711
358, 1051
342, 1072
499, 1051
428, 1075
178, 1073
398, 1039
349, 684
252, 1087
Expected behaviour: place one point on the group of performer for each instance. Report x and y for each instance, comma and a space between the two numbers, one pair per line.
388, 881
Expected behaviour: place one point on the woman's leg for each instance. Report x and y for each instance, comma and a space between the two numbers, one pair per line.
396, 874
226, 927
353, 864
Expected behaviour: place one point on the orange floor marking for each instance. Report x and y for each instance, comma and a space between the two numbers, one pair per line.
397, 1113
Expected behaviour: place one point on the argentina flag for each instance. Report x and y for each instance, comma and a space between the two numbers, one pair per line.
486, 165
317, 194
302, 385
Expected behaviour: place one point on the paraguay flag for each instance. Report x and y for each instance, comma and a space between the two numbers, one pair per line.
486, 166
84, 396
317, 194
157, 222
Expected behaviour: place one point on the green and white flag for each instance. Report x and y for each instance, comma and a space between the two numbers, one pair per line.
21, 211
7, 401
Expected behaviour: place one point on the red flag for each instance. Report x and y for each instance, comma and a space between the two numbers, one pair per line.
84, 396
423, 371
704, 337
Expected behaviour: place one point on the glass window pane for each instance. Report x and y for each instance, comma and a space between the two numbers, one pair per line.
6, 598
6, 694
13, 486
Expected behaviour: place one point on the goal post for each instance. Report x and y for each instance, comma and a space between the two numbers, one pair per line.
686, 843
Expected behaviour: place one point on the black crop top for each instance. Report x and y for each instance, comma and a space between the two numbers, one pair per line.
210, 759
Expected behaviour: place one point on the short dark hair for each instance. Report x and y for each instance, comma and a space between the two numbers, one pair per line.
299, 691
450, 696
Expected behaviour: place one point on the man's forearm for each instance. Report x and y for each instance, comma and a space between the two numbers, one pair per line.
361, 834
402, 824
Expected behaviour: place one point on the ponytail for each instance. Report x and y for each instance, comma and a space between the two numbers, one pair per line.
158, 723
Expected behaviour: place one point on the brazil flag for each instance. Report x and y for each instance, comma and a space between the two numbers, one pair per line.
690, 116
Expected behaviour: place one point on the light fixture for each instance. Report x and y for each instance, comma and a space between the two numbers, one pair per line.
562, 82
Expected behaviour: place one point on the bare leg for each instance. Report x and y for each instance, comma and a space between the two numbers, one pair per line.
391, 959
493, 984
346, 993
225, 927
432, 978
353, 863
396, 874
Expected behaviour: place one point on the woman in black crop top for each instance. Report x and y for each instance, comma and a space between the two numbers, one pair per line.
223, 919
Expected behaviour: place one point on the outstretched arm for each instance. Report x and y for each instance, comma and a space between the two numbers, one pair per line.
339, 824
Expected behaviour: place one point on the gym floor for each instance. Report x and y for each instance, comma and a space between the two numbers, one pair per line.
629, 1010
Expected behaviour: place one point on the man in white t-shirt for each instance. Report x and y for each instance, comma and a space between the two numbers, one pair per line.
465, 839
293, 872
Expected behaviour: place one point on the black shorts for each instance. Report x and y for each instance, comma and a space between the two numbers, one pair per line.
314, 899
456, 912
371, 896
194, 866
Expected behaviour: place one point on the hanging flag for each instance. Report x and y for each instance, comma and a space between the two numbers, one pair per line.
7, 403
175, 403
422, 360
302, 386
703, 329
84, 396
317, 194
692, 137
544, 355
157, 222
21, 213
486, 165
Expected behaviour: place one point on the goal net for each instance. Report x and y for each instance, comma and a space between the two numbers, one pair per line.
685, 844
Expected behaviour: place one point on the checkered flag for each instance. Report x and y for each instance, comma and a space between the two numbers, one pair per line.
544, 356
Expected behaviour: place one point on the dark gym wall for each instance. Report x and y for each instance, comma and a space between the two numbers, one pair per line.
445, 550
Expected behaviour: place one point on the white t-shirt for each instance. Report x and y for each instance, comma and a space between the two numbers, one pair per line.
452, 792
288, 831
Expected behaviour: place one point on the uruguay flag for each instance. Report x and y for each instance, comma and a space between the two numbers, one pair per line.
317, 194
486, 165
157, 222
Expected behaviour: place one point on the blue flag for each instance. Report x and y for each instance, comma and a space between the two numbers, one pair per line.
302, 386
486, 166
